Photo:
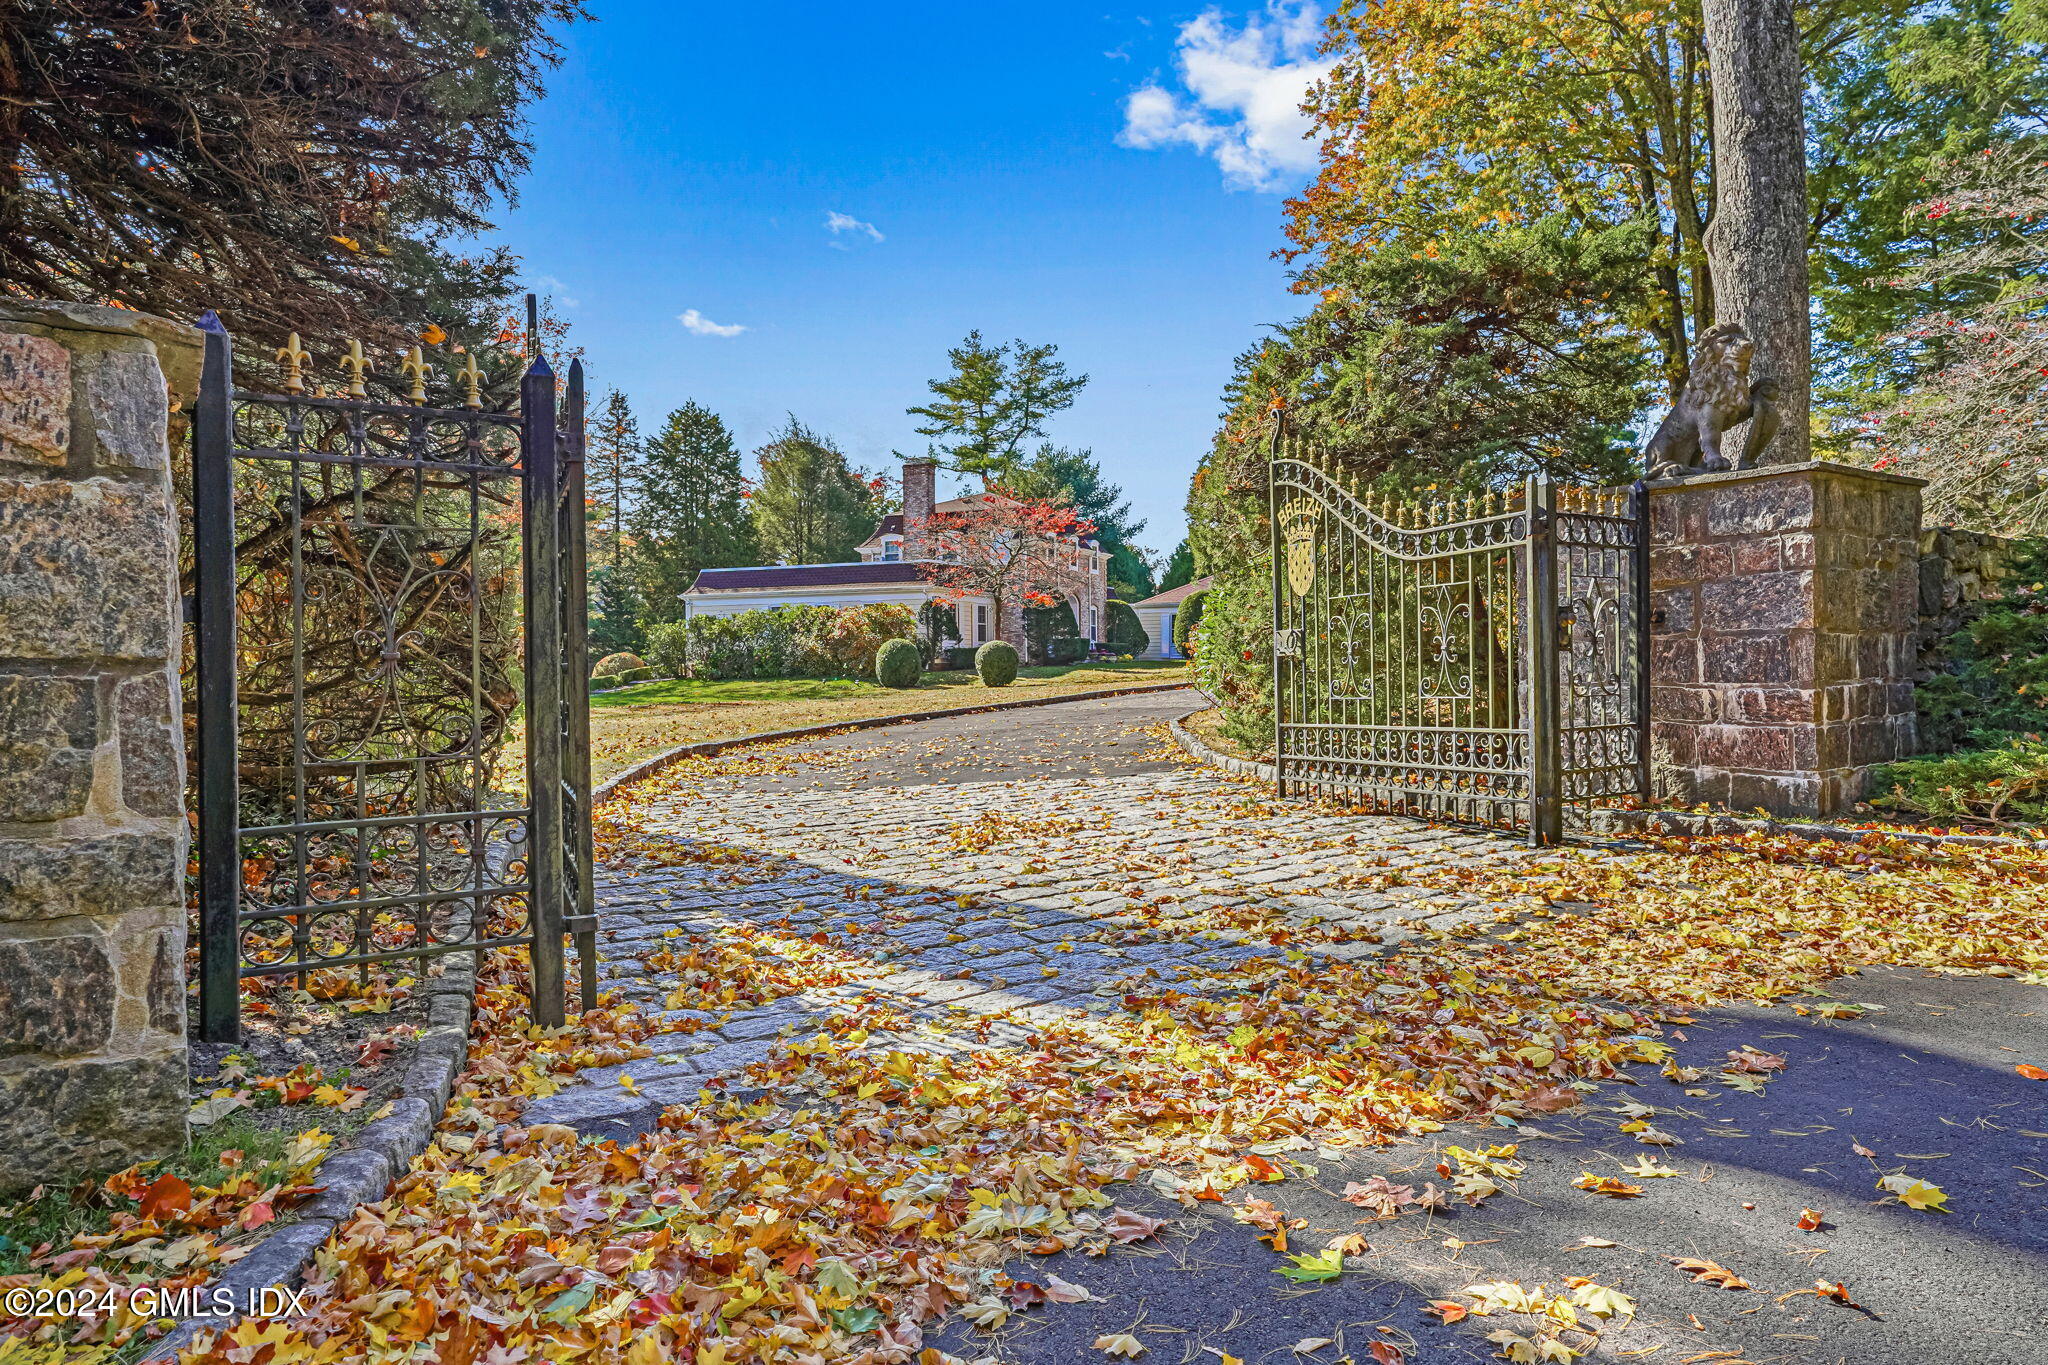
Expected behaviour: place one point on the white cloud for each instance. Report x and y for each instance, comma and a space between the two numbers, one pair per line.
1242, 88
556, 290
837, 222
705, 327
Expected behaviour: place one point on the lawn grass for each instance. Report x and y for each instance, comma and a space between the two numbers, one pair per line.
634, 723
55, 1218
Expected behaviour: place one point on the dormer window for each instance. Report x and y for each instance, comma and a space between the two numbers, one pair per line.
892, 548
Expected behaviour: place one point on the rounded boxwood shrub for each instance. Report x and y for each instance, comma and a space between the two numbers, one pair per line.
996, 662
613, 664
898, 664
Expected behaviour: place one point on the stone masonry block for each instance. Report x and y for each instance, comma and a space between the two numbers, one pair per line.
1760, 506
124, 403
85, 570
57, 995
91, 1114
49, 728
1758, 601
35, 399
87, 874
152, 747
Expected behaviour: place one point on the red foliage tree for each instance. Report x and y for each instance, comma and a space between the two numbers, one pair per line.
1013, 551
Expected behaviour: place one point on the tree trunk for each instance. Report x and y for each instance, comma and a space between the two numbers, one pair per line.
1756, 244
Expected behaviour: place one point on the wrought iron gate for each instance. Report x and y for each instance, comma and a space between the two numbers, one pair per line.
1478, 659
354, 564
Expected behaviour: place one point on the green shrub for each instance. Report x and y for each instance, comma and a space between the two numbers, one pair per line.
1997, 679
1188, 617
613, 664
668, 649
631, 675
1233, 654
937, 626
1066, 649
960, 656
1126, 634
856, 634
898, 664
996, 662
2007, 782
1043, 625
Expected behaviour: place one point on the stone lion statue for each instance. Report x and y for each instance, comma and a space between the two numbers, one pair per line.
1719, 394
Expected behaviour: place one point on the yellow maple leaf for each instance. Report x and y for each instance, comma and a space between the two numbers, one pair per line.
1120, 1344
1915, 1193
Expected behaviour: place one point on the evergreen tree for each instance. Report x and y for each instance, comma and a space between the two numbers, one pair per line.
1073, 478
613, 470
297, 167
1180, 569
811, 508
691, 513
614, 612
996, 399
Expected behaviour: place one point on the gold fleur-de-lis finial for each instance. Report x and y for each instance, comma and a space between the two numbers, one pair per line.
294, 357
355, 362
416, 365
471, 377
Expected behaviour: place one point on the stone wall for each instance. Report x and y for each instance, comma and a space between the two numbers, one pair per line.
1784, 634
1958, 570
92, 774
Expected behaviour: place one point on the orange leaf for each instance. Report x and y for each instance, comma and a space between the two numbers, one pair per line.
168, 1195
433, 336
256, 1215
1809, 1220
1448, 1311
2032, 1072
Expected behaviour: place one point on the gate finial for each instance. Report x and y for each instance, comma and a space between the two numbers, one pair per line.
416, 365
355, 362
294, 357
471, 376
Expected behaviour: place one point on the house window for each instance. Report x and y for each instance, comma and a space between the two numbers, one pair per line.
892, 549
980, 623
1091, 624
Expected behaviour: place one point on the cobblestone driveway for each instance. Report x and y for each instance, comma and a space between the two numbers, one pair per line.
1008, 864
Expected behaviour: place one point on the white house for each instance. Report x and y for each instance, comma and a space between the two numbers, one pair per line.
1156, 614
889, 570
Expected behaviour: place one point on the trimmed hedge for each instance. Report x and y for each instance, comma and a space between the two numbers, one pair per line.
898, 664
612, 665
959, 656
1126, 634
1187, 618
1067, 649
996, 662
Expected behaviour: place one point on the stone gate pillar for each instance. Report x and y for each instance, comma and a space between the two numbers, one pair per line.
92, 773
1784, 605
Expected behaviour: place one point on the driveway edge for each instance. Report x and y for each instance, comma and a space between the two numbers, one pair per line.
1195, 748
648, 767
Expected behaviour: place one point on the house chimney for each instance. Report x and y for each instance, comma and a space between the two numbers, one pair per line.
920, 495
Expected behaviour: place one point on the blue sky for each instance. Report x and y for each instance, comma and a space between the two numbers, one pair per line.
1108, 180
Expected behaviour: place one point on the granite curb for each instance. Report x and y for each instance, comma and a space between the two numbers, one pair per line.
360, 1173
1195, 748
648, 767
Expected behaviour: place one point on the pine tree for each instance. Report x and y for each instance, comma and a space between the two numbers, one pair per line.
614, 470
691, 513
811, 508
1180, 568
996, 399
